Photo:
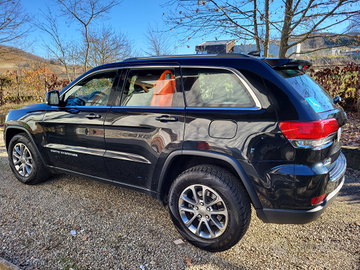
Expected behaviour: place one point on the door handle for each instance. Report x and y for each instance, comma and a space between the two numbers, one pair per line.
92, 116
166, 118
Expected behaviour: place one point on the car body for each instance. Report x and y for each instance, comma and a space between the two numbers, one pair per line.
207, 134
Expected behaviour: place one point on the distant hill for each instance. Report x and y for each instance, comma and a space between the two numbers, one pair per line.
12, 59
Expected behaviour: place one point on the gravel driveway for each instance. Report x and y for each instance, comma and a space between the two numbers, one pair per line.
70, 222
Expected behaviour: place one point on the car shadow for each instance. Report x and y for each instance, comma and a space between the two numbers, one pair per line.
350, 192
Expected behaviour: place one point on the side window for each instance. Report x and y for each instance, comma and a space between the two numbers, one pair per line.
149, 87
91, 91
214, 88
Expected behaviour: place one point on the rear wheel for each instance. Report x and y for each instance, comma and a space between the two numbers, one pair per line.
209, 207
25, 161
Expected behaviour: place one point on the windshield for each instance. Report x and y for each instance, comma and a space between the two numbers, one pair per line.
312, 92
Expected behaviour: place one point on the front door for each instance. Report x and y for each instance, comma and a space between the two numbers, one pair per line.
74, 132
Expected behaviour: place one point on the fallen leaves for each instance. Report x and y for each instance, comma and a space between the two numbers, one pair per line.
188, 261
86, 238
351, 130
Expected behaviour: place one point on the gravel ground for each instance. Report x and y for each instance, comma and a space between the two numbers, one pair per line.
73, 223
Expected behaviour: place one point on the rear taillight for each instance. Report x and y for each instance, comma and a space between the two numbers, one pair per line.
318, 200
309, 134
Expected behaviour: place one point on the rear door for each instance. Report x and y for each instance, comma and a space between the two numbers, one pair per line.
145, 125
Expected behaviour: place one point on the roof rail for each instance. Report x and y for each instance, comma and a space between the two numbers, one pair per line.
131, 59
254, 53
231, 55
227, 55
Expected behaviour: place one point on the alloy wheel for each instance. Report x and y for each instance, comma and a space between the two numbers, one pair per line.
203, 211
22, 159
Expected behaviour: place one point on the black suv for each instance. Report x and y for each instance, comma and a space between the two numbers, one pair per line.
209, 135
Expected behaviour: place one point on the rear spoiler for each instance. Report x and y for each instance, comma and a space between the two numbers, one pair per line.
287, 63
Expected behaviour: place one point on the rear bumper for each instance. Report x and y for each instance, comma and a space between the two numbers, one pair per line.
289, 216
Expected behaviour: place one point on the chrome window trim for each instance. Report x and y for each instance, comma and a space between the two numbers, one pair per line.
75, 107
239, 75
148, 107
225, 108
152, 66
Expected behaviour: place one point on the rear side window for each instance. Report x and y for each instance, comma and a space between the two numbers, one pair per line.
312, 92
150, 88
214, 88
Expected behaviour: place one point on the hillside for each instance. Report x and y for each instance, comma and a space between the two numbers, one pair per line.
12, 59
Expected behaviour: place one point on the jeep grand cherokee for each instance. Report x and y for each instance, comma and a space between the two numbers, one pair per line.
207, 135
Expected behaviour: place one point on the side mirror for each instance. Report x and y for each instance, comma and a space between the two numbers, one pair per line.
53, 98
337, 100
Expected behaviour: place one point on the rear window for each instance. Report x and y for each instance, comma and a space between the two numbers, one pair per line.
312, 92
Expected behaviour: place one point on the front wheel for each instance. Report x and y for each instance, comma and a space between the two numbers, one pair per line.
25, 161
209, 207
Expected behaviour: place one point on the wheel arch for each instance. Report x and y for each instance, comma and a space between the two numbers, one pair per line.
179, 161
12, 131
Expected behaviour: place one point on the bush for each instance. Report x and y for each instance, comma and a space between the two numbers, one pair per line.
18, 99
343, 82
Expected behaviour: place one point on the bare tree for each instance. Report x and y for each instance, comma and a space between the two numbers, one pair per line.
13, 21
292, 21
84, 12
58, 48
106, 47
354, 24
158, 42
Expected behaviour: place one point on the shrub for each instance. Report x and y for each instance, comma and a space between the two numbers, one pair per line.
343, 82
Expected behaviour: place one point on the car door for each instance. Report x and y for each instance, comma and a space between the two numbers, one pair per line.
74, 132
145, 126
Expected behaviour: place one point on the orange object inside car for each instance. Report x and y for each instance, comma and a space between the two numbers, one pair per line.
164, 90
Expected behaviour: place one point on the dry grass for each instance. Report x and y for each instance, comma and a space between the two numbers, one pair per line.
5, 109
15, 60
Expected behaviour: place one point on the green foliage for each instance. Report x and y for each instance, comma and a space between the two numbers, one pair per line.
209, 83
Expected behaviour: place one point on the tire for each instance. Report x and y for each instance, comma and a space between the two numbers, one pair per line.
193, 212
25, 161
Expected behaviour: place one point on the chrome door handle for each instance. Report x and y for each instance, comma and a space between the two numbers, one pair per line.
93, 116
166, 118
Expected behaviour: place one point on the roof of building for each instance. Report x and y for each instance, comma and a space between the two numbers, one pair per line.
215, 42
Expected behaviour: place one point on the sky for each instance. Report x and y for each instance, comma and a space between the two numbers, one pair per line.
131, 17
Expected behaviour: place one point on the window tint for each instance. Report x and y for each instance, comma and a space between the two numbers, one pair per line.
91, 91
312, 92
214, 88
149, 87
